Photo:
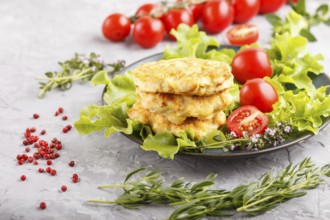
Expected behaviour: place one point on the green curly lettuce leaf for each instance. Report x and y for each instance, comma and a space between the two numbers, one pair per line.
292, 63
119, 97
165, 144
297, 107
111, 119
293, 23
119, 89
194, 43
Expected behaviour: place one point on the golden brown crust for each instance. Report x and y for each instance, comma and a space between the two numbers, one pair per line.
159, 123
183, 76
177, 108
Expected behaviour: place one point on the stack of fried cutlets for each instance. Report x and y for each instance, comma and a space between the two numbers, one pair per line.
182, 94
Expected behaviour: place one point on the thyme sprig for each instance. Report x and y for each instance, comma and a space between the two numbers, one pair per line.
274, 135
196, 201
80, 67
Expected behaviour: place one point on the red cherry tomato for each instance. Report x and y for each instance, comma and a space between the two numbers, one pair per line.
148, 31
174, 17
147, 9
251, 63
259, 93
217, 15
195, 9
116, 27
270, 6
243, 34
247, 119
244, 10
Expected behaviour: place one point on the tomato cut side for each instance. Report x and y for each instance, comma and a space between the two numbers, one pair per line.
243, 34
247, 119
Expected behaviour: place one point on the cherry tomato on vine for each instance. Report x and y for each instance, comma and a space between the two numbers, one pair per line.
195, 9
243, 34
259, 93
217, 15
147, 9
174, 17
116, 27
247, 119
270, 6
245, 10
148, 31
251, 63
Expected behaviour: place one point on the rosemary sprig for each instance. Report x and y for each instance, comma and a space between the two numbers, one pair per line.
196, 201
79, 67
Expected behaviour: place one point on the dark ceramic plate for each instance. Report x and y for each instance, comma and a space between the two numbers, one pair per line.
320, 80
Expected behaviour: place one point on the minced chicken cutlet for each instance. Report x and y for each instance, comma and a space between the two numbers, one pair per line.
179, 107
183, 76
159, 123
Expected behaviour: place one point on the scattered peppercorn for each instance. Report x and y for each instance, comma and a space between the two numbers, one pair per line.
42, 205
64, 188
71, 163
23, 177
60, 110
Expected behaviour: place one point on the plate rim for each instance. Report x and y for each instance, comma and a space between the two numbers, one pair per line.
229, 154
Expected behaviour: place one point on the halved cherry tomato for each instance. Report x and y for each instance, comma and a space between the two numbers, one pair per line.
251, 63
259, 93
243, 34
247, 119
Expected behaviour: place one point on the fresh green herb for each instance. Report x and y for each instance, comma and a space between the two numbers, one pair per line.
196, 201
79, 67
